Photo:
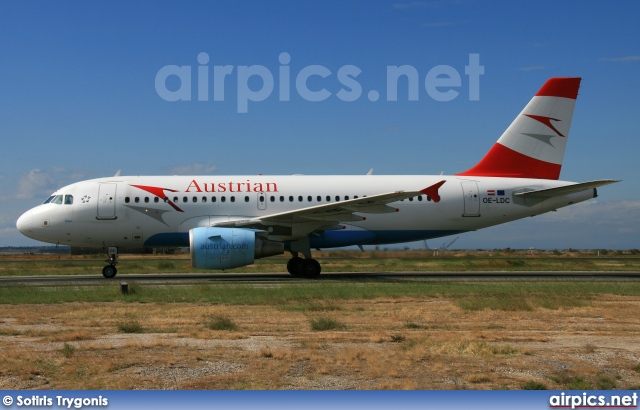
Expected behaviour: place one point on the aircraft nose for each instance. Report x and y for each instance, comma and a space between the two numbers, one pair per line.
25, 222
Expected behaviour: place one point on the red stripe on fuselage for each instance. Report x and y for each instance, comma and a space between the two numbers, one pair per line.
501, 161
159, 192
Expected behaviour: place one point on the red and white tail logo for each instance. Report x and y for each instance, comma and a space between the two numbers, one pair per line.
533, 145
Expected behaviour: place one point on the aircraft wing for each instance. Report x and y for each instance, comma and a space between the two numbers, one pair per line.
565, 190
341, 211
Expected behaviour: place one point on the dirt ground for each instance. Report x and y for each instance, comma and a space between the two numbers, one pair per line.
408, 343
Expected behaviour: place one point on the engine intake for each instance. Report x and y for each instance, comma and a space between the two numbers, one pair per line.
225, 248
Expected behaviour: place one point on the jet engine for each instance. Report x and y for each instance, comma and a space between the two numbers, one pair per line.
224, 248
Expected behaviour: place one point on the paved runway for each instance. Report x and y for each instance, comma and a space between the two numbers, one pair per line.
283, 278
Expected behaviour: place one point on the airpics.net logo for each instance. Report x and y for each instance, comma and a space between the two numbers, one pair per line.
256, 83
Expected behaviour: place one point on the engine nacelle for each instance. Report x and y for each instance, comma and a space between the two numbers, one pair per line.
224, 248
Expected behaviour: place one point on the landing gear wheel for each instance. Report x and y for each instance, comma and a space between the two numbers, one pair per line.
109, 271
295, 266
311, 268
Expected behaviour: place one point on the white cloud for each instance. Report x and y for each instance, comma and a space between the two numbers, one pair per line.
439, 24
196, 168
421, 4
588, 225
531, 68
621, 59
391, 128
5, 218
410, 5
608, 212
35, 180
39, 183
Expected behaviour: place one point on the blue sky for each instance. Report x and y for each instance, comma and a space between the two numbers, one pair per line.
79, 98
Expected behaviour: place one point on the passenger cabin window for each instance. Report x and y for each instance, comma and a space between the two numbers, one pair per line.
68, 199
57, 200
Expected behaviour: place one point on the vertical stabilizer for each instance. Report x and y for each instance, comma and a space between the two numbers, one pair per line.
533, 145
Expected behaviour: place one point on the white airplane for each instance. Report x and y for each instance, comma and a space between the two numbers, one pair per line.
229, 221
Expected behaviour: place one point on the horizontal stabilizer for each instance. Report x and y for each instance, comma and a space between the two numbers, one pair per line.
565, 190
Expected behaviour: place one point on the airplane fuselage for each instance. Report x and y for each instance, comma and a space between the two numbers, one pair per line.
116, 211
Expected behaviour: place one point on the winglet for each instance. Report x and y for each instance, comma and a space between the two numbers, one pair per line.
432, 191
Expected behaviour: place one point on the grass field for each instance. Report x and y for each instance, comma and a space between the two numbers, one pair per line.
325, 334
342, 261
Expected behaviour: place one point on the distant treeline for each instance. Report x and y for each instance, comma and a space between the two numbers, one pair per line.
67, 250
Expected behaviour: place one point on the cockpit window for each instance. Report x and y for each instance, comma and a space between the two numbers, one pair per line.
48, 199
68, 199
57, 199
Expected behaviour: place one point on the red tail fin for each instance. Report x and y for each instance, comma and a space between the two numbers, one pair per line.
533, 145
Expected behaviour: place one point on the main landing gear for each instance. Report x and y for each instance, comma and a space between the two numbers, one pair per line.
110, 270
297, 266
308, 268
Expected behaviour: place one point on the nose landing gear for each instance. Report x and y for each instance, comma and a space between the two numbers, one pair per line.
110, 270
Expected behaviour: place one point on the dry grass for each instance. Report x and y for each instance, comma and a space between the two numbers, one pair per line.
406, 343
